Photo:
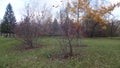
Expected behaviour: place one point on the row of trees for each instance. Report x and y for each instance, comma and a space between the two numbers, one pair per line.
89, 27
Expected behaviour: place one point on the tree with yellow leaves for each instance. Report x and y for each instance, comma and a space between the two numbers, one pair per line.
87, 13
81, 11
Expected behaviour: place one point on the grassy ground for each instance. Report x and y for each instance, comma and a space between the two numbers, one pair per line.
100, 53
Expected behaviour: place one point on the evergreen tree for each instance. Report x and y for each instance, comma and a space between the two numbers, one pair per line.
55, 27
9, 20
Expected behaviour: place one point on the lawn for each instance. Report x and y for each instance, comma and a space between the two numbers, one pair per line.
99, 53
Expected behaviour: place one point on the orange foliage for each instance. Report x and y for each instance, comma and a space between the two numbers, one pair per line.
104, 28
76, 26
95, 14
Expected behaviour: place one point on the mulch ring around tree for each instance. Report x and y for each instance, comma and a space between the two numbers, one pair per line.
23, 47
66, 56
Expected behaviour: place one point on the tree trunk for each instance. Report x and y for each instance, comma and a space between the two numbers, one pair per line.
30, 43
93, 30
70, 48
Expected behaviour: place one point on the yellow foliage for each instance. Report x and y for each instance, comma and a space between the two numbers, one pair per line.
90, 13
76, 24
104, 28
73, 10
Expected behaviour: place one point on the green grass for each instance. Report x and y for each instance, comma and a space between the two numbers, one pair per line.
100, 53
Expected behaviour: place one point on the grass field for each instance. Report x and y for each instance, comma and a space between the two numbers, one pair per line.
99, 53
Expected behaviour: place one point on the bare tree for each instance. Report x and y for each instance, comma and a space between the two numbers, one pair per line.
32, 27
29, 28
28, 31
46, 21
69, 34
113, 28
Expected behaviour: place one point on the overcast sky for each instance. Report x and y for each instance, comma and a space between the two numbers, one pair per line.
18, 6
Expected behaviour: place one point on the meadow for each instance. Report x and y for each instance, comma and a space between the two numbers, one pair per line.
99, 53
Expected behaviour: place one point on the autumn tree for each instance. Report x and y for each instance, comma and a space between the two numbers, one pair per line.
81, 11
69, 35
94, 14
69, 30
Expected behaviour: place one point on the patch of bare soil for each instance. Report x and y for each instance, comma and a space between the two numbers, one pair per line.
81, 46
65, 57
23, 47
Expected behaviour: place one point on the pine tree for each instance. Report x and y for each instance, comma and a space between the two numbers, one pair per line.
55, 27
9, 20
